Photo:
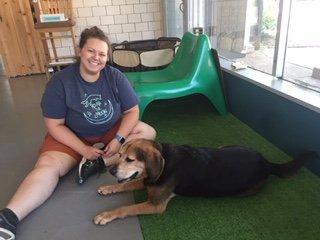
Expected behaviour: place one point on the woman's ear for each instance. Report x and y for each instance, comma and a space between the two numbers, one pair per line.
154, 166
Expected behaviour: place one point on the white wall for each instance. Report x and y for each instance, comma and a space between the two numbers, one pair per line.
120, 19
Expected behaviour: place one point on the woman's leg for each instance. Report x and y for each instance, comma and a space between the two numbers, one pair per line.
40, 182
142, 130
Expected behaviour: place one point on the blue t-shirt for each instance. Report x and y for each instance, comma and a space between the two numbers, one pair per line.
89, 109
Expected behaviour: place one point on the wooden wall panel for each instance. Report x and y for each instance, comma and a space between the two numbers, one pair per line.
20, 44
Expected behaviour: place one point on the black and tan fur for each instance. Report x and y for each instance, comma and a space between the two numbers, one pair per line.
166, 170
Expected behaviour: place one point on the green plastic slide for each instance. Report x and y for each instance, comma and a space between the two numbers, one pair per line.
192, 71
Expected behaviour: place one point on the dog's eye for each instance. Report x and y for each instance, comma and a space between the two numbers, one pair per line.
129, 160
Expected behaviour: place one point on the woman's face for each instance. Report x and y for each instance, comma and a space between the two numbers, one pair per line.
93, 56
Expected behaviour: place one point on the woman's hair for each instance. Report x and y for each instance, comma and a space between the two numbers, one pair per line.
97, 33
93, 32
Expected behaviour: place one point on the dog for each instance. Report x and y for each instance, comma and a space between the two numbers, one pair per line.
166, 170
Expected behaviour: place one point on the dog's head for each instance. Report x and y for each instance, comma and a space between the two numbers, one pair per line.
139, 158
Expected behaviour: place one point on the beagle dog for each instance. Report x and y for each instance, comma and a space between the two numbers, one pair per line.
166, 170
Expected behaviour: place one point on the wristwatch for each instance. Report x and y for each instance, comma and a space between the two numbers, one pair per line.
120, 139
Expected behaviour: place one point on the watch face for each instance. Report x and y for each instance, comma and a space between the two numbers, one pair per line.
122, 140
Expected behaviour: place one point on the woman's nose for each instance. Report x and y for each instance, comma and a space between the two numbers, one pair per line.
96, 55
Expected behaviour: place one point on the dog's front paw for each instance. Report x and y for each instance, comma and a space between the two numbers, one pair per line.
104, 218
106, 189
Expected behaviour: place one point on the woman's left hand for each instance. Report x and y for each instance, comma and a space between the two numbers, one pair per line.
112, 148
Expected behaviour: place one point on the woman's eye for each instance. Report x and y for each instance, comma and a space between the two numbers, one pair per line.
129, 160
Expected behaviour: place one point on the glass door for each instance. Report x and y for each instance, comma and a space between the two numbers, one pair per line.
302, 65
174, 15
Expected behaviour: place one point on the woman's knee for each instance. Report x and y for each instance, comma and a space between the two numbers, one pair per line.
151, 132
146, 131
59, 163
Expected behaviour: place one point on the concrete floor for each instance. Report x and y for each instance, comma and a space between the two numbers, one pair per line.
68, 213
298, 68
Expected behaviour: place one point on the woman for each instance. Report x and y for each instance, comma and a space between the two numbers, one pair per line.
85, 103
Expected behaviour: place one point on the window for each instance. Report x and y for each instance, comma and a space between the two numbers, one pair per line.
173, 18
302, 60
278, 37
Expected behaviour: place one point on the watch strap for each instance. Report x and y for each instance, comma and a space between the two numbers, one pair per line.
120, 138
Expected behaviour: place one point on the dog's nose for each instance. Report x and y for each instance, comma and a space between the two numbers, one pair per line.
113, 170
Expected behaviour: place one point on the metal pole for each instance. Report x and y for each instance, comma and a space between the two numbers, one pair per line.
281, 38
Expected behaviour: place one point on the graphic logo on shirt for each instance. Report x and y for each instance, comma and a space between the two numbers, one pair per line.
97, 111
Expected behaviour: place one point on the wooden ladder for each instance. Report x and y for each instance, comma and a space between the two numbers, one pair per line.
50, 32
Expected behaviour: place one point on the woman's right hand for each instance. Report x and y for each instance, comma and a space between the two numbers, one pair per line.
91, 153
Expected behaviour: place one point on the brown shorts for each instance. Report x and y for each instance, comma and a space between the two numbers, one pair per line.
51, 144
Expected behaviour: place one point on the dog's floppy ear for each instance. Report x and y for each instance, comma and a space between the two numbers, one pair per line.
154, 166
157, 145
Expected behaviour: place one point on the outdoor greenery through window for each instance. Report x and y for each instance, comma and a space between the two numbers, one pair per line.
278, 37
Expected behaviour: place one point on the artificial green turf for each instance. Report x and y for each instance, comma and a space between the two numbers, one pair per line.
284, 209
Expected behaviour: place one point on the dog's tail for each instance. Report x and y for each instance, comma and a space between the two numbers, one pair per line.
287, 169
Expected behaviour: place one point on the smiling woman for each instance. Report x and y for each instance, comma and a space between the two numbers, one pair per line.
86, 103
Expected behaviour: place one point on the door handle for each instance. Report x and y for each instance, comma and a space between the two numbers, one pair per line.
181, 6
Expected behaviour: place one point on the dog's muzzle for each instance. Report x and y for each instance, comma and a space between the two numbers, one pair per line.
113, 171
133, 176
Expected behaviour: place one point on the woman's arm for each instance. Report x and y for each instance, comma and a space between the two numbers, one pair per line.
63, 134
129, 120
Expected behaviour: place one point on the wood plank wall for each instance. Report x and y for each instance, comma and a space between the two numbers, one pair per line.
20, 44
